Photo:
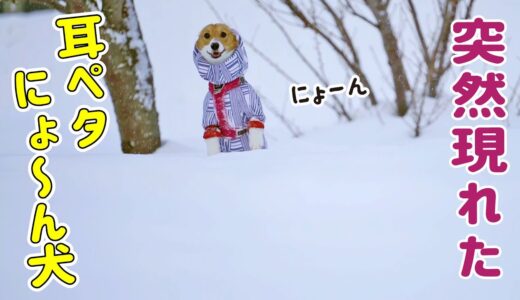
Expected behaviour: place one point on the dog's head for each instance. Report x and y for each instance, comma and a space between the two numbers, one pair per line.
216, 43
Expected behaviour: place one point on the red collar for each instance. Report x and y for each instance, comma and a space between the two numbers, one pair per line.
218, 92
226, 87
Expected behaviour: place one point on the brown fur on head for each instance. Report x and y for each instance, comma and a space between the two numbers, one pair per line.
216, 42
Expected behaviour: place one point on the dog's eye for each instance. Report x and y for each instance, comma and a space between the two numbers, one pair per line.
206, 35
223, 34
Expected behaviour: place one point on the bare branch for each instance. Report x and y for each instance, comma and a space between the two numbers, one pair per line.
270, 62
214, 10
342, 30
293, 128
438, 56
419, 31
321, 63
469, 9
385, 4
448, 16
348, 5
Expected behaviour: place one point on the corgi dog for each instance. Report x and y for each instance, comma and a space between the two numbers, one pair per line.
233, 118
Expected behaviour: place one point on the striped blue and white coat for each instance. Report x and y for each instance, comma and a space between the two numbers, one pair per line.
241, 104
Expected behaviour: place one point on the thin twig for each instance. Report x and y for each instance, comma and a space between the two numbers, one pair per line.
214, 10
355, 13
293, 128
419, 32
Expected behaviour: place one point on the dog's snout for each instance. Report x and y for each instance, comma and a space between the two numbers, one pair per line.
215, 46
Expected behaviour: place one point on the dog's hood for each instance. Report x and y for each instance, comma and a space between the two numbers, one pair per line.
233, 67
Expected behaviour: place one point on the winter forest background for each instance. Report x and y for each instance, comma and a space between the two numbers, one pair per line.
352, 199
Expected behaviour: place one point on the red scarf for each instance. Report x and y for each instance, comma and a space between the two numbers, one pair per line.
218, 99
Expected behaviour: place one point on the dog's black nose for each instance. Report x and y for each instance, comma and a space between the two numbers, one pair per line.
215, 46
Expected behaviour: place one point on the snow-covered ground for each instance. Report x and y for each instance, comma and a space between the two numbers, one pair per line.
348, 211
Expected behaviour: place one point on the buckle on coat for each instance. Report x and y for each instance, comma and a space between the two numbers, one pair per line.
217, 88
241, 132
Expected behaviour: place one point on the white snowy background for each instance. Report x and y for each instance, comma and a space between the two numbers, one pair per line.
356, 210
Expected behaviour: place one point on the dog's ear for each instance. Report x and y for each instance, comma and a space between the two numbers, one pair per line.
237, 38
200, 42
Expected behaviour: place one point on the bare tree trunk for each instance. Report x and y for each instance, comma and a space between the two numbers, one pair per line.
129, 72
438, 66
380, 11
130, 79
